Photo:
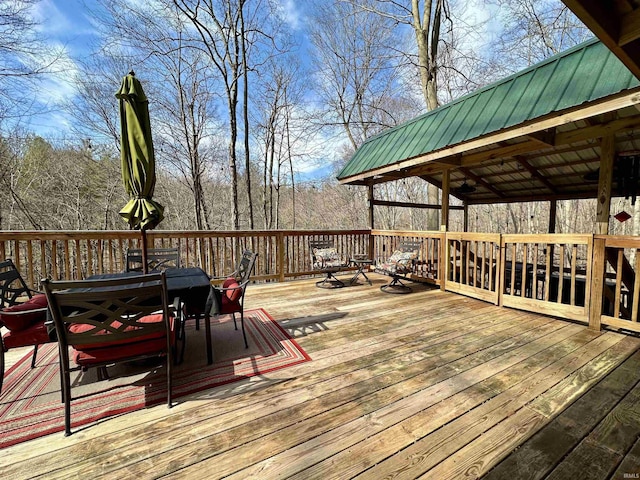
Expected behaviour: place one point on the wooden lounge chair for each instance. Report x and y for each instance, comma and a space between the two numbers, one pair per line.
400, 264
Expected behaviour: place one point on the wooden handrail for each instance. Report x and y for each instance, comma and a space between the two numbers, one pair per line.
603, 264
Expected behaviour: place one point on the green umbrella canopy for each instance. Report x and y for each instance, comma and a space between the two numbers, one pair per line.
137, 158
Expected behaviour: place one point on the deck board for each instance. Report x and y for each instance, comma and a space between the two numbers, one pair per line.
429, 384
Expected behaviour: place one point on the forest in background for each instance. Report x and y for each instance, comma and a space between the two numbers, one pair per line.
254, 113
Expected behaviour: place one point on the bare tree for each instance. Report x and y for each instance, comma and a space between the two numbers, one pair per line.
356, 72
534, 30
25, 58
218, 25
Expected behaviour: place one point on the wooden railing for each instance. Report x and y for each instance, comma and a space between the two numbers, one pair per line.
282, 254
472, 261
548, 274
588, 278
619, 303
428, 265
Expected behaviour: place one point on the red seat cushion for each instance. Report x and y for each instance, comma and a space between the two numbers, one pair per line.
93, 356
86, 355
85, 327
231, 298
15, 323
35, 334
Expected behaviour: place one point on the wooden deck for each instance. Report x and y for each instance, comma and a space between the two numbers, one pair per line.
426, 385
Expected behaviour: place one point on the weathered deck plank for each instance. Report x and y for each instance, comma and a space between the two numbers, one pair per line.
430, 384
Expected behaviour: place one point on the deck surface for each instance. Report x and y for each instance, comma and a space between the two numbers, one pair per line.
426, 385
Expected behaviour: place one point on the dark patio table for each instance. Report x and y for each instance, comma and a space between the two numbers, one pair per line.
191, 285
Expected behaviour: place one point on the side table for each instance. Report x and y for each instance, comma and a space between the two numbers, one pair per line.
361, 263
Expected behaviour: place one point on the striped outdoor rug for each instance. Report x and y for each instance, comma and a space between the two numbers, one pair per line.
30, 403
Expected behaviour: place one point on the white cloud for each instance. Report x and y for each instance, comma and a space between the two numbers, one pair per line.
291, 14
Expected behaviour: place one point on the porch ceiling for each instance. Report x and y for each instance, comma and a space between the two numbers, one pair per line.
508, 157
616, 23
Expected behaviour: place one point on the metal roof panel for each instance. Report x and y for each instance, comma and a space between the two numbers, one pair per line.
584, 73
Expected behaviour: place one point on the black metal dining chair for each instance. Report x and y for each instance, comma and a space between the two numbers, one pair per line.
110, 321
158, 259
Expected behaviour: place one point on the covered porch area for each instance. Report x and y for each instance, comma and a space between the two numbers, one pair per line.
430, 385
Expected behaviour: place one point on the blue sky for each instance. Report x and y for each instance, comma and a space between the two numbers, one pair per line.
66, 23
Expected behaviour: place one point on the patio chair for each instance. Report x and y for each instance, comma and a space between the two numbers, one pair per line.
158, 259
401, 263
110, 321
23, 312
325, 258
229, 297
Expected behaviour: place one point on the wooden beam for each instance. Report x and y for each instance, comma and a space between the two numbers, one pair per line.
629, 28
466, 217
535, 174
613, 29
545, 137
372, 201
444, 213
597, 131
607, 155
597, 283
481, 181
541, 197
429, 206
502, 151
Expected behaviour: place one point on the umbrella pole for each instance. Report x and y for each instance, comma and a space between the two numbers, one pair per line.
144, 252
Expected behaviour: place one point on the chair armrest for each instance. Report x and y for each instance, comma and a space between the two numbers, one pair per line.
227, 289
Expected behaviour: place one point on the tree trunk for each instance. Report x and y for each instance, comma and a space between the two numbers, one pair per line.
245, 111
427, 37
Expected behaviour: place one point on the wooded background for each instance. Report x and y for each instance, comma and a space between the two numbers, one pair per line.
253, 113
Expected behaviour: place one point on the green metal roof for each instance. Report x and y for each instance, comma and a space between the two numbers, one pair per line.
581, 74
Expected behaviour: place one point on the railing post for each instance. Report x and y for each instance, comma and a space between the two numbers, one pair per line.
443, 271
597, 283
502, 258
372, 246
280, 237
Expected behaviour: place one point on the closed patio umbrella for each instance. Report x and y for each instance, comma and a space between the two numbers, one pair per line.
137, 159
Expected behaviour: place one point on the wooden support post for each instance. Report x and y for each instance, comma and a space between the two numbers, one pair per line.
466, 217
607, 155
371, 253
370, 198
281, 255
553, 212
444, 214
597, 283
443, 262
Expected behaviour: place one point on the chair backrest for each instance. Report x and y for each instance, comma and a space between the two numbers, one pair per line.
12, 285
324, 248
92, 313
246, 266
158, 259
407, 250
